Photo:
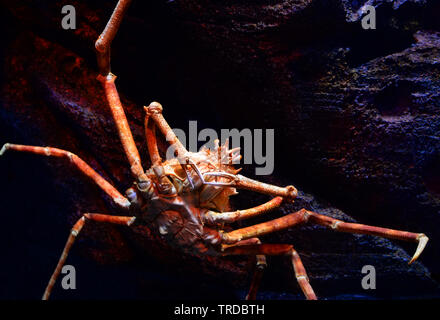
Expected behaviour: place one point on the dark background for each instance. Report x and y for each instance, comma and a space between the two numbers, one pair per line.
356, 122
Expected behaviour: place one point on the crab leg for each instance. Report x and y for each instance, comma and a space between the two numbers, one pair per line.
260, 229
154, 111
120, 119
337, 225
278, 249
242, 182
342, 226
259, 268
164, 186
104, 41
150, 134
213, 217
78, 162
107, 79
71, 239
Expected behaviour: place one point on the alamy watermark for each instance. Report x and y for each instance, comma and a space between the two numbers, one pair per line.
252, 148
69, 280
69, 20
369, 20
369, 280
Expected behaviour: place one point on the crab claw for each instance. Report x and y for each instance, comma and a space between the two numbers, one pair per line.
423, 240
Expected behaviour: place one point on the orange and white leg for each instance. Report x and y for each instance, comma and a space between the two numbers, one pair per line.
303, 216
107, 79
154, 112
212, 217
76, 161
104, 41
123, 128
278, 249
150, 135
71, 239
241, 182
420, 238
259, 267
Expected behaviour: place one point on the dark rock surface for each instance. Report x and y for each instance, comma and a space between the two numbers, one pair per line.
355, 120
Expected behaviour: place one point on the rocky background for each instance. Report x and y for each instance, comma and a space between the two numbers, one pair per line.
356, 122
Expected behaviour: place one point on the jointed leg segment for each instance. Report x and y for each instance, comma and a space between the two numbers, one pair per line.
108, 81
104, 41
212, 217
124, 131
342, 226
150, 134
278, 249
303, 215
71, 239
259, 268
243, 182
154, 112
78, 162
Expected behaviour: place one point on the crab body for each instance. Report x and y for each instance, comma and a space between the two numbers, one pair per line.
177, 218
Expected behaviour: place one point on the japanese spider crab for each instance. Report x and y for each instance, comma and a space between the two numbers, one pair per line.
185, 200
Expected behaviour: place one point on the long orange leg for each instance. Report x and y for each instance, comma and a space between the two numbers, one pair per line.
337, 225
342, 226
242, 182
213, 217
71, 239
76, 161
278, 249
154, 111
265, 227
107, 79
259, 268
164, 184
104, 41
120, 119
150, 135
